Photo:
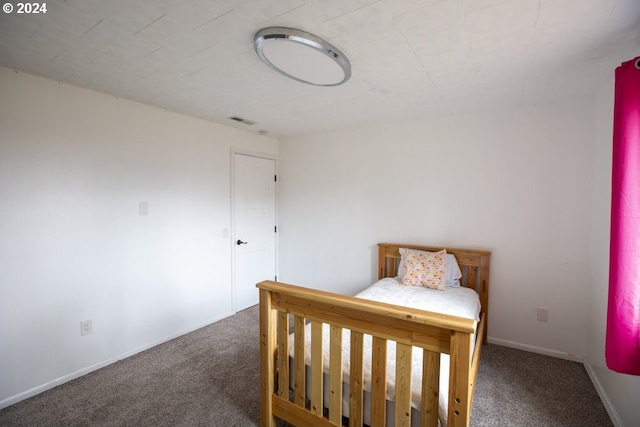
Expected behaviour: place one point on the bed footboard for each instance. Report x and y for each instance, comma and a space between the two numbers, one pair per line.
408, 328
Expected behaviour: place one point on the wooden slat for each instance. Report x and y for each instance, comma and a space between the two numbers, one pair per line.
379, 382
267, 359
298, 416
299, 385
335, 375
317, 367
356, 377
382, 265
430, 388
403, 385
472, 279
283, 354
459, 380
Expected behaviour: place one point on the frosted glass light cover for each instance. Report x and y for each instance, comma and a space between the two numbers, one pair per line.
302, 56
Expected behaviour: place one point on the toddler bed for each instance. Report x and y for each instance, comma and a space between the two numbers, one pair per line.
379, 352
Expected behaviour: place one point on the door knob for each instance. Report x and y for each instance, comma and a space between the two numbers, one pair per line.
240, 242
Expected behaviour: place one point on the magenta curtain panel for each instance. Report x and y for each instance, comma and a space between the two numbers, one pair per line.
623, 315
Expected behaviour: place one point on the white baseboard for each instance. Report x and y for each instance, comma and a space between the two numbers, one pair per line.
615, 418
84, 371
534, 349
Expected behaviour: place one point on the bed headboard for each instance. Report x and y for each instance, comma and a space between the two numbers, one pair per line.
474, 264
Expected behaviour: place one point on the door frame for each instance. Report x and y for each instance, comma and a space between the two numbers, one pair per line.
232, 236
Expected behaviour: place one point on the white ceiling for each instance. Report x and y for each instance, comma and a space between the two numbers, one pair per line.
410, 58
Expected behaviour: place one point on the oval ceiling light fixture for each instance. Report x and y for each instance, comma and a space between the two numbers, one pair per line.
302, 56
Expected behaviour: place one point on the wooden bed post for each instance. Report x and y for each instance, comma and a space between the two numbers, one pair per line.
484, 291
382, 262
459, 413
267, 359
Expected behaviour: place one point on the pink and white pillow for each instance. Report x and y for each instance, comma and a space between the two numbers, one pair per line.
426, 269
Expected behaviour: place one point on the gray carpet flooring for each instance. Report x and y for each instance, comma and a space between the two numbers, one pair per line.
210, 377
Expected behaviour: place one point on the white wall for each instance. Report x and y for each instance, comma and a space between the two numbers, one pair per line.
517, 182
619, 392
74, 164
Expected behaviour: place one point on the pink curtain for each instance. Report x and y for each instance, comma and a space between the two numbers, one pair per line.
623, 315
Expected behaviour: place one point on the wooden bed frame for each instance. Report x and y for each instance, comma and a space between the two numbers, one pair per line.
434, 333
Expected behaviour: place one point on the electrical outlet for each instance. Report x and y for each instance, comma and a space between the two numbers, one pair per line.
86, 327
543, 314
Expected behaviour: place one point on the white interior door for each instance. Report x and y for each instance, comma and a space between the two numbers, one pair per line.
254, 237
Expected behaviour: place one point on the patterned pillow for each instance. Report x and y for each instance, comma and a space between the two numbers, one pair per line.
425, 269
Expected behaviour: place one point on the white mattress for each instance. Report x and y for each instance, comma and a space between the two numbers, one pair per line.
460, 301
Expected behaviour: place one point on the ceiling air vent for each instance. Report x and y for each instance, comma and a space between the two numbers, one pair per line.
241, 120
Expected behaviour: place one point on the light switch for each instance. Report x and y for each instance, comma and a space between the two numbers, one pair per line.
543, 314
143, 208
